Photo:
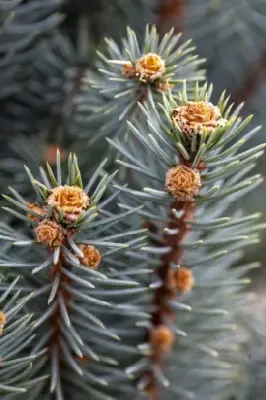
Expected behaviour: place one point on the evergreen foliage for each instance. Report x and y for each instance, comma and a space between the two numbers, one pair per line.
120, 92
134, 284
16, 335
71, 297
26, 28
235, 33
215, 241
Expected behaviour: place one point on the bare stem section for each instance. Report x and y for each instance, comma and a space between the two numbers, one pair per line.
60, 300
174, 279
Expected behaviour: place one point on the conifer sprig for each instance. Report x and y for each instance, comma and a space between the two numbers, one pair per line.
127, 72
21, 27
78, 282
186, 162
15, 336
116, 314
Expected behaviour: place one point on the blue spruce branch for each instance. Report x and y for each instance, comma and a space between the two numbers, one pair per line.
123, 315
121, 82
73, 299
187, 170
16, 335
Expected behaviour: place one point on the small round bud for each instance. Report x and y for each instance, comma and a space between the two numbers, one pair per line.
49, 233
181, 280
162, 339
197, 116
71, 200
182, 182
92, 256
35, 207
150, 67
3, 320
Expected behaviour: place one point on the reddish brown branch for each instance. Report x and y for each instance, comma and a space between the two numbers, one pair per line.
169, 12
182, 182
163, 313
252, 80
174, 256
56, 271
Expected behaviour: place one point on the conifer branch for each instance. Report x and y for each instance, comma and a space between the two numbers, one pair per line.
77, 297
115, 313
168, 12
127, 74
15, 335
181, 136
252, 80
170, 275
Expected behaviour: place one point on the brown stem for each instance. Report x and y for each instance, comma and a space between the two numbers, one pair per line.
168, 12
173, 257
56, 271
252, 80
163, 294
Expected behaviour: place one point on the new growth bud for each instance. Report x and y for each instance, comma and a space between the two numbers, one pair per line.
197, 116
182, 182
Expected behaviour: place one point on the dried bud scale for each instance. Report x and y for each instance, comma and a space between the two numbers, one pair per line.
182, 182
197, 116
36, 208
92, 256
162, 339
181, 280
150, 67
72, 201
49, 233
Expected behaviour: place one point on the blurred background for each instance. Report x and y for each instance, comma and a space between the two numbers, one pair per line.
47, 47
